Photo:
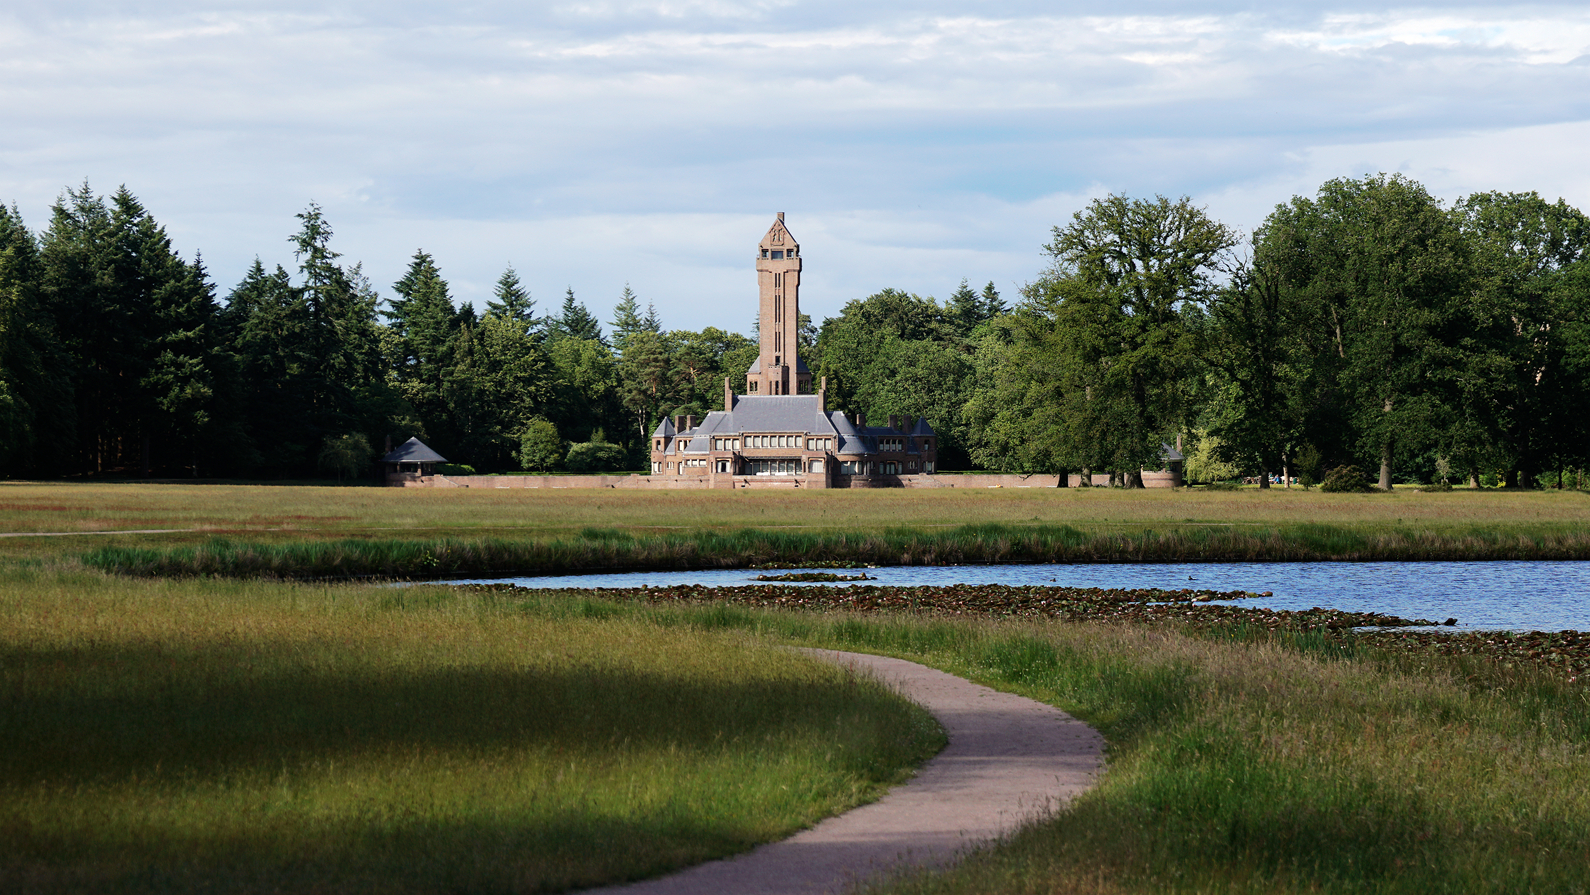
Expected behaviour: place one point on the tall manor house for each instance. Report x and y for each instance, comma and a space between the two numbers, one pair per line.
780, 433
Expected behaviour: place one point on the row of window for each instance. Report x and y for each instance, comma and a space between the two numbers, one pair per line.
780, 467
884, 467
787, 441
778, 254
795, 466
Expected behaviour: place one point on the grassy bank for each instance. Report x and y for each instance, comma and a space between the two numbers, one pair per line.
1252, 760
606, 549
247, 736
273, 514
200, 735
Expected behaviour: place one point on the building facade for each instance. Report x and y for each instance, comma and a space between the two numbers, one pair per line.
780, 432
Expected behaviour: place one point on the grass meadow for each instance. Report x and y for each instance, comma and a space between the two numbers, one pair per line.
293, 531
198, 729
247, 736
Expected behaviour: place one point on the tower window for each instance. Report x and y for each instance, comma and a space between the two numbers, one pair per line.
778, 255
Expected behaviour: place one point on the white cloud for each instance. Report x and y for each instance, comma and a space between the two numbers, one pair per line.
602, 142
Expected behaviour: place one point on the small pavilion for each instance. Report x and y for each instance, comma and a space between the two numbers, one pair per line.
411, 459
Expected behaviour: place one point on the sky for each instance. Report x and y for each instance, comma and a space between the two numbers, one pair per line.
601, 143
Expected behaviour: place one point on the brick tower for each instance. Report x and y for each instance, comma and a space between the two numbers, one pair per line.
778, 370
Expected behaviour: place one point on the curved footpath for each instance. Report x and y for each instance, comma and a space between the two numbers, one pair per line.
1009, 759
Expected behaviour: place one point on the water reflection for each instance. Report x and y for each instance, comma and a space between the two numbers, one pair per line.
1525, 596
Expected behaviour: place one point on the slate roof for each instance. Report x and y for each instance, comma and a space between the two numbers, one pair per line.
665, 429
1169, 453
777, 414
850, 441
413, 451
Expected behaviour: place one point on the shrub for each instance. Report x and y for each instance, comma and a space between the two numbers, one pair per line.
346, 455
1306, 464
540, 447
1344, 479
1221, 486
455, 469
595, 456
1436, 486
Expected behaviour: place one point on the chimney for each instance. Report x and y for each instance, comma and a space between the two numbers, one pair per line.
781, 216
679, 423
822, 396
894, 422
690, 422
861, 420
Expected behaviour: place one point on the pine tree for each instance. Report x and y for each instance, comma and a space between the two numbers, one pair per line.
424, 316
966, 309
626, 319
993, 305
575, 322
511, 300
35, 395
139, 325
652, 323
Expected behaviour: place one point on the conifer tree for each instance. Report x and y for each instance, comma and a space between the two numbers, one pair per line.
993, 305
966, 309
511, 300
575, 322
626, 319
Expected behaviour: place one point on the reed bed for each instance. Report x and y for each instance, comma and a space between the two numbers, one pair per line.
216, 736
600, 549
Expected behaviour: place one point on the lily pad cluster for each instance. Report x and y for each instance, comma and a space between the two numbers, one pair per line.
1561, 652
815, 576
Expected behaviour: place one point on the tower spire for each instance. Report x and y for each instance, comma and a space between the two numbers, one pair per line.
778, 369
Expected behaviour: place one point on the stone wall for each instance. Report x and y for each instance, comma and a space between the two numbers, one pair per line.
637, 482
663, 482
1154, 479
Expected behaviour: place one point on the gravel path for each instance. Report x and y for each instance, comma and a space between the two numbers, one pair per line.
1009, 759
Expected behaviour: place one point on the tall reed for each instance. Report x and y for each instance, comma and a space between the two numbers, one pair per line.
606, 550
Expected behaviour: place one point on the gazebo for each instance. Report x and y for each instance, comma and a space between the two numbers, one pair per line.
411, 459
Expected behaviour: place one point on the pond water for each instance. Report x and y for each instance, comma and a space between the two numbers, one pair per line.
1521, 596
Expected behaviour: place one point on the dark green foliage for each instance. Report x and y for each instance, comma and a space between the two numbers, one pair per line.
348, 456
540, 448
35, 391
596, 455
627, 320
1346, 479
138, 339
895, 353
511, 300
1371, 326
574, 322
1099, 364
